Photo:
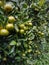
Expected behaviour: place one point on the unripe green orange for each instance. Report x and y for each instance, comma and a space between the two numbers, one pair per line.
25, 28
1, 3
11, 19
4, 32
8, 7
4, 59
22, 26
29, 50
23, 54
30, 23
41, 33
22, 31
9, 26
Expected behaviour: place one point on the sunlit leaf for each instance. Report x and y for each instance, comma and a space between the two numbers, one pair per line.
13, 42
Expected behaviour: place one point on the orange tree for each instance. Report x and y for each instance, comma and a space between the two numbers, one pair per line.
24, 32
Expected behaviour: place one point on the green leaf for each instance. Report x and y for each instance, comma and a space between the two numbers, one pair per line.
12, 50
18, 58
25, 5
16, 28
13, 42
41, 2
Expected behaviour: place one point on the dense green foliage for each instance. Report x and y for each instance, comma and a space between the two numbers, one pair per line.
24, 32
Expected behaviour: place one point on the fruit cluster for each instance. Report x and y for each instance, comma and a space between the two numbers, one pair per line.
23, 31
11, 20
9, 26
4, 31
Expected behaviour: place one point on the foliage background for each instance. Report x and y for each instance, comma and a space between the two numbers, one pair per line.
32, 48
